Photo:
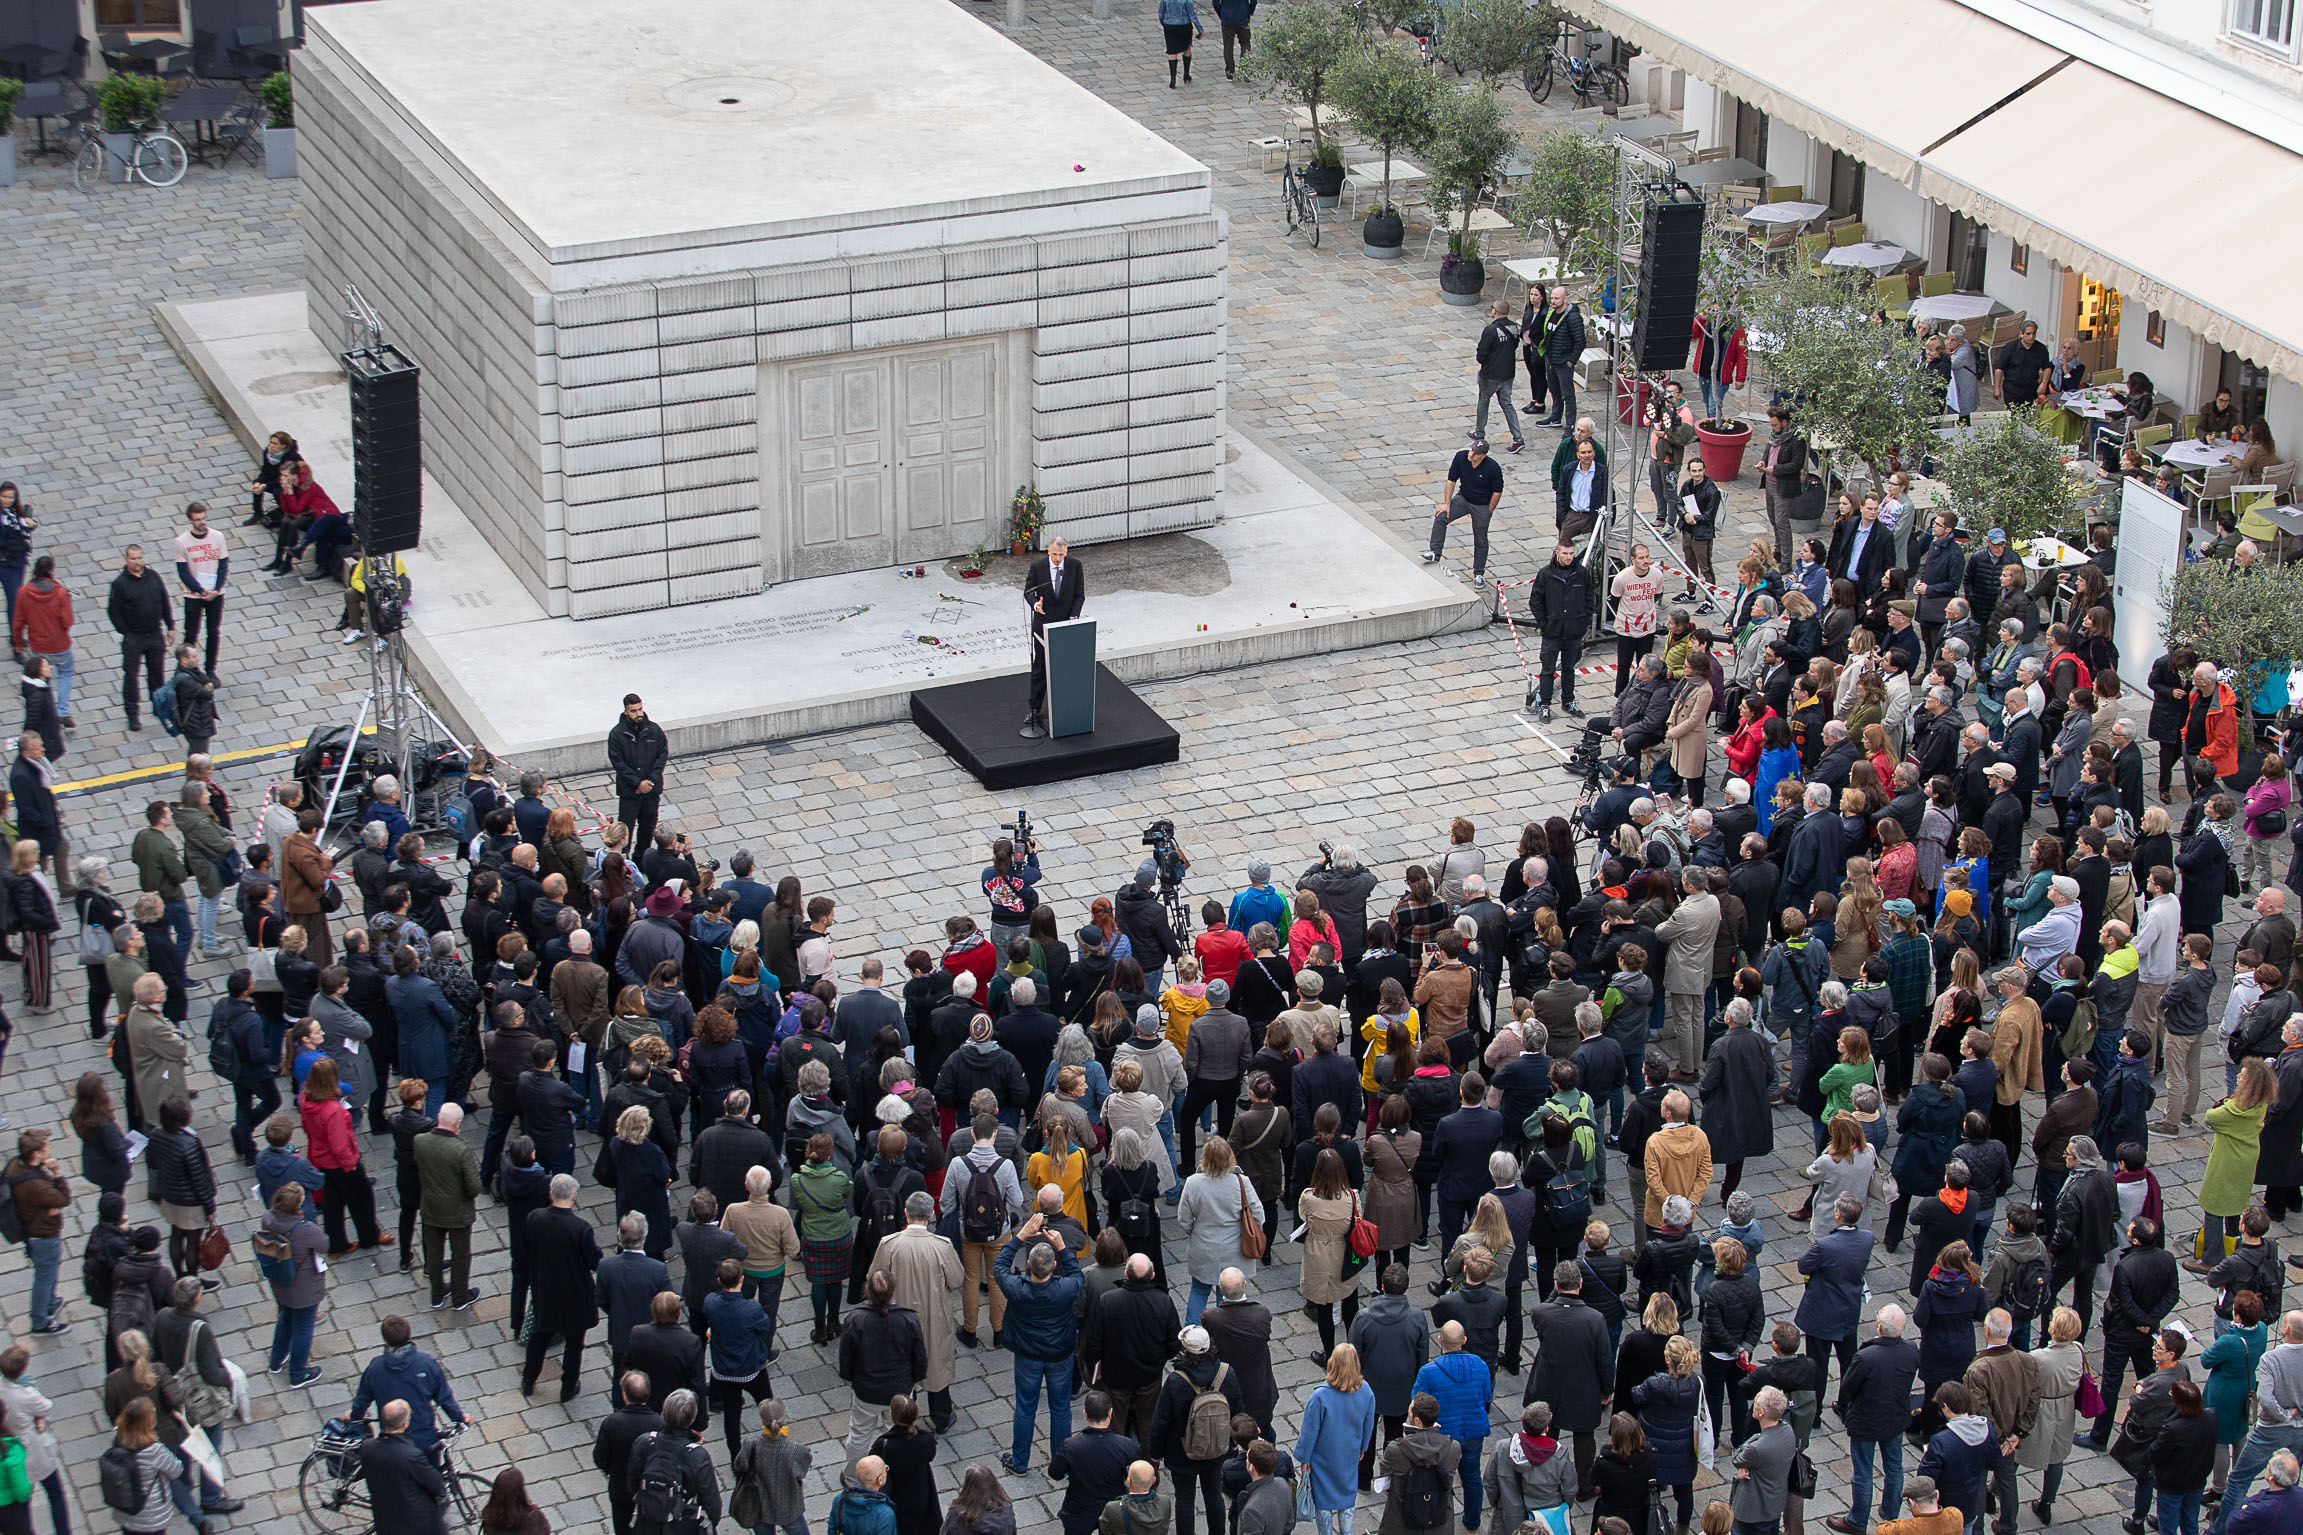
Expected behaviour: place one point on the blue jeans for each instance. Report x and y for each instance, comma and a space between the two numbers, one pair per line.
208, 922
12, 577
60, 663
1890, 1452
1196, 1302
2255, 1452
435, 1094
1331, 1521
1714, 396
179, 917
46, 1254
1031, 1374
1155, 981
1468, 1469
589, 1086
188, 1493
2179, 1513
292, 1338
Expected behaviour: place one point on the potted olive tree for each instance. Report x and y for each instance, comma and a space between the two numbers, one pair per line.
1728, 274
1467, 152
279, 95
1393, 100
126, 105
10, 90
1297, 51
1490, 39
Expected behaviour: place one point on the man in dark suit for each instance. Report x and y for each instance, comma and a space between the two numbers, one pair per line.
628, 1283
1240, 1328
1055, 590
1574, 1367
667, 1353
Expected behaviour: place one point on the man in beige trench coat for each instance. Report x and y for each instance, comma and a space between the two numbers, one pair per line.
927, 1274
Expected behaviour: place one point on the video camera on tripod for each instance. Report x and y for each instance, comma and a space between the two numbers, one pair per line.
1171, 861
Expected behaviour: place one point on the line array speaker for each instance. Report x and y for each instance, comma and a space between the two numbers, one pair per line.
387, 449
1670, 257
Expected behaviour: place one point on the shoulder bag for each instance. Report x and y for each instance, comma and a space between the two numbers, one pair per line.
1359, 1241
1251, 1239
205, 1406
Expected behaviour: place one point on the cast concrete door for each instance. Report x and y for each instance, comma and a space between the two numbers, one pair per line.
892, 457
944, 451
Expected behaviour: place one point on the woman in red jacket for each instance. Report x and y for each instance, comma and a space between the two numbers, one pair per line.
1749, 738
303, 505
335, 1150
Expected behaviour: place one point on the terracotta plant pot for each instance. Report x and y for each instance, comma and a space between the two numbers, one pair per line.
1019, 546
1722, 444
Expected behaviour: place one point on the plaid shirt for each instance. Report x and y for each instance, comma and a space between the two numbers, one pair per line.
1910, 967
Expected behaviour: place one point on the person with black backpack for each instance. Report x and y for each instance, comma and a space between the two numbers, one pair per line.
1421, 1466
881, 1187
675, 1489
136, 1471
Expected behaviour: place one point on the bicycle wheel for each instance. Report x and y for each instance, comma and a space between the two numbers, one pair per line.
333, 1505
88, 166
1537, 79
1618, 87
467, 1494
1311, 217
161, 159
1291, 201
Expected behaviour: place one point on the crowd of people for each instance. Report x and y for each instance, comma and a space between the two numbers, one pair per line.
1876, 858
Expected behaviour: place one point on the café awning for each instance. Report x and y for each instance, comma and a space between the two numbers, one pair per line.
2192, 217
2178, 209
1879, 82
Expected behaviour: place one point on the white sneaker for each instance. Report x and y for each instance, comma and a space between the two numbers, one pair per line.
349, 636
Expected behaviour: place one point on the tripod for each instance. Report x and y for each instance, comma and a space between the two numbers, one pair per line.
393, 701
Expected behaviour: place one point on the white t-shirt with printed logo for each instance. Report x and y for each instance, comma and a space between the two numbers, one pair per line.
202, 555
1637, 598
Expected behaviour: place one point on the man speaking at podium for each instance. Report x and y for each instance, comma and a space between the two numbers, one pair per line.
1055, 590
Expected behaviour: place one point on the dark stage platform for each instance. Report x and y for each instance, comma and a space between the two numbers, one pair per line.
977, 723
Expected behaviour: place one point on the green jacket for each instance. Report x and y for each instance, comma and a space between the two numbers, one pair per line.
15, 1486
159, 867
448, 1172
820, 1200
204, 843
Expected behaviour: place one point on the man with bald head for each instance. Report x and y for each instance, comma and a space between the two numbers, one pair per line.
612, 1446
1239, 1326
1130, 1335
1143, 1507
404, 1487
1462, 1385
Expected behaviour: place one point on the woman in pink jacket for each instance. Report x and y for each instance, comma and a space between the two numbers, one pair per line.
1311, 926
2264, 818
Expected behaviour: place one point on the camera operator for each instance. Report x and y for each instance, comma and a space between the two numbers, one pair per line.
1008, 886
1142, 916
1343, 888
1640, 714
671, 859
1612, 806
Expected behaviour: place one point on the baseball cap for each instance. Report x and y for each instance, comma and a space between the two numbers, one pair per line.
1995, 536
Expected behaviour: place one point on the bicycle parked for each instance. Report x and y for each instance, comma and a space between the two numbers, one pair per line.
1296, 201
1590, 78
153, 155
335, 1497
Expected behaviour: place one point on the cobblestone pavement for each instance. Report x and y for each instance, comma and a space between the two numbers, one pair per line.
1353, 365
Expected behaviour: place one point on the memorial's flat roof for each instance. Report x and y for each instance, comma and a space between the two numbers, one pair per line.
596, 130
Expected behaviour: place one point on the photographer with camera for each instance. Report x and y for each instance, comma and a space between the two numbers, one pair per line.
1008, 885
1611, 807
1637, 722
1343, 888
1143, 917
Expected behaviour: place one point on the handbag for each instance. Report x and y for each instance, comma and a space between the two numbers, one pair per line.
1251, 1239
1803, 1477
215, 1247
331, 898
2089, 1397
94, 945
1706, 1442
1354, 1255
204, 1405
263, 967
1884, 1188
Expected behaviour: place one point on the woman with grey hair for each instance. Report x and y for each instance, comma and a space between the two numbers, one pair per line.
99, 915
1074, 1048
1131, 1190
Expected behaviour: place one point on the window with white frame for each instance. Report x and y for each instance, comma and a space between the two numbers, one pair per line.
2269, 22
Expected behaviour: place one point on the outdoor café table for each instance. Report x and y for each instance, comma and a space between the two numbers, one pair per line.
2099, 404
1785, 213
1874, 256
2213, 454
1954, 306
